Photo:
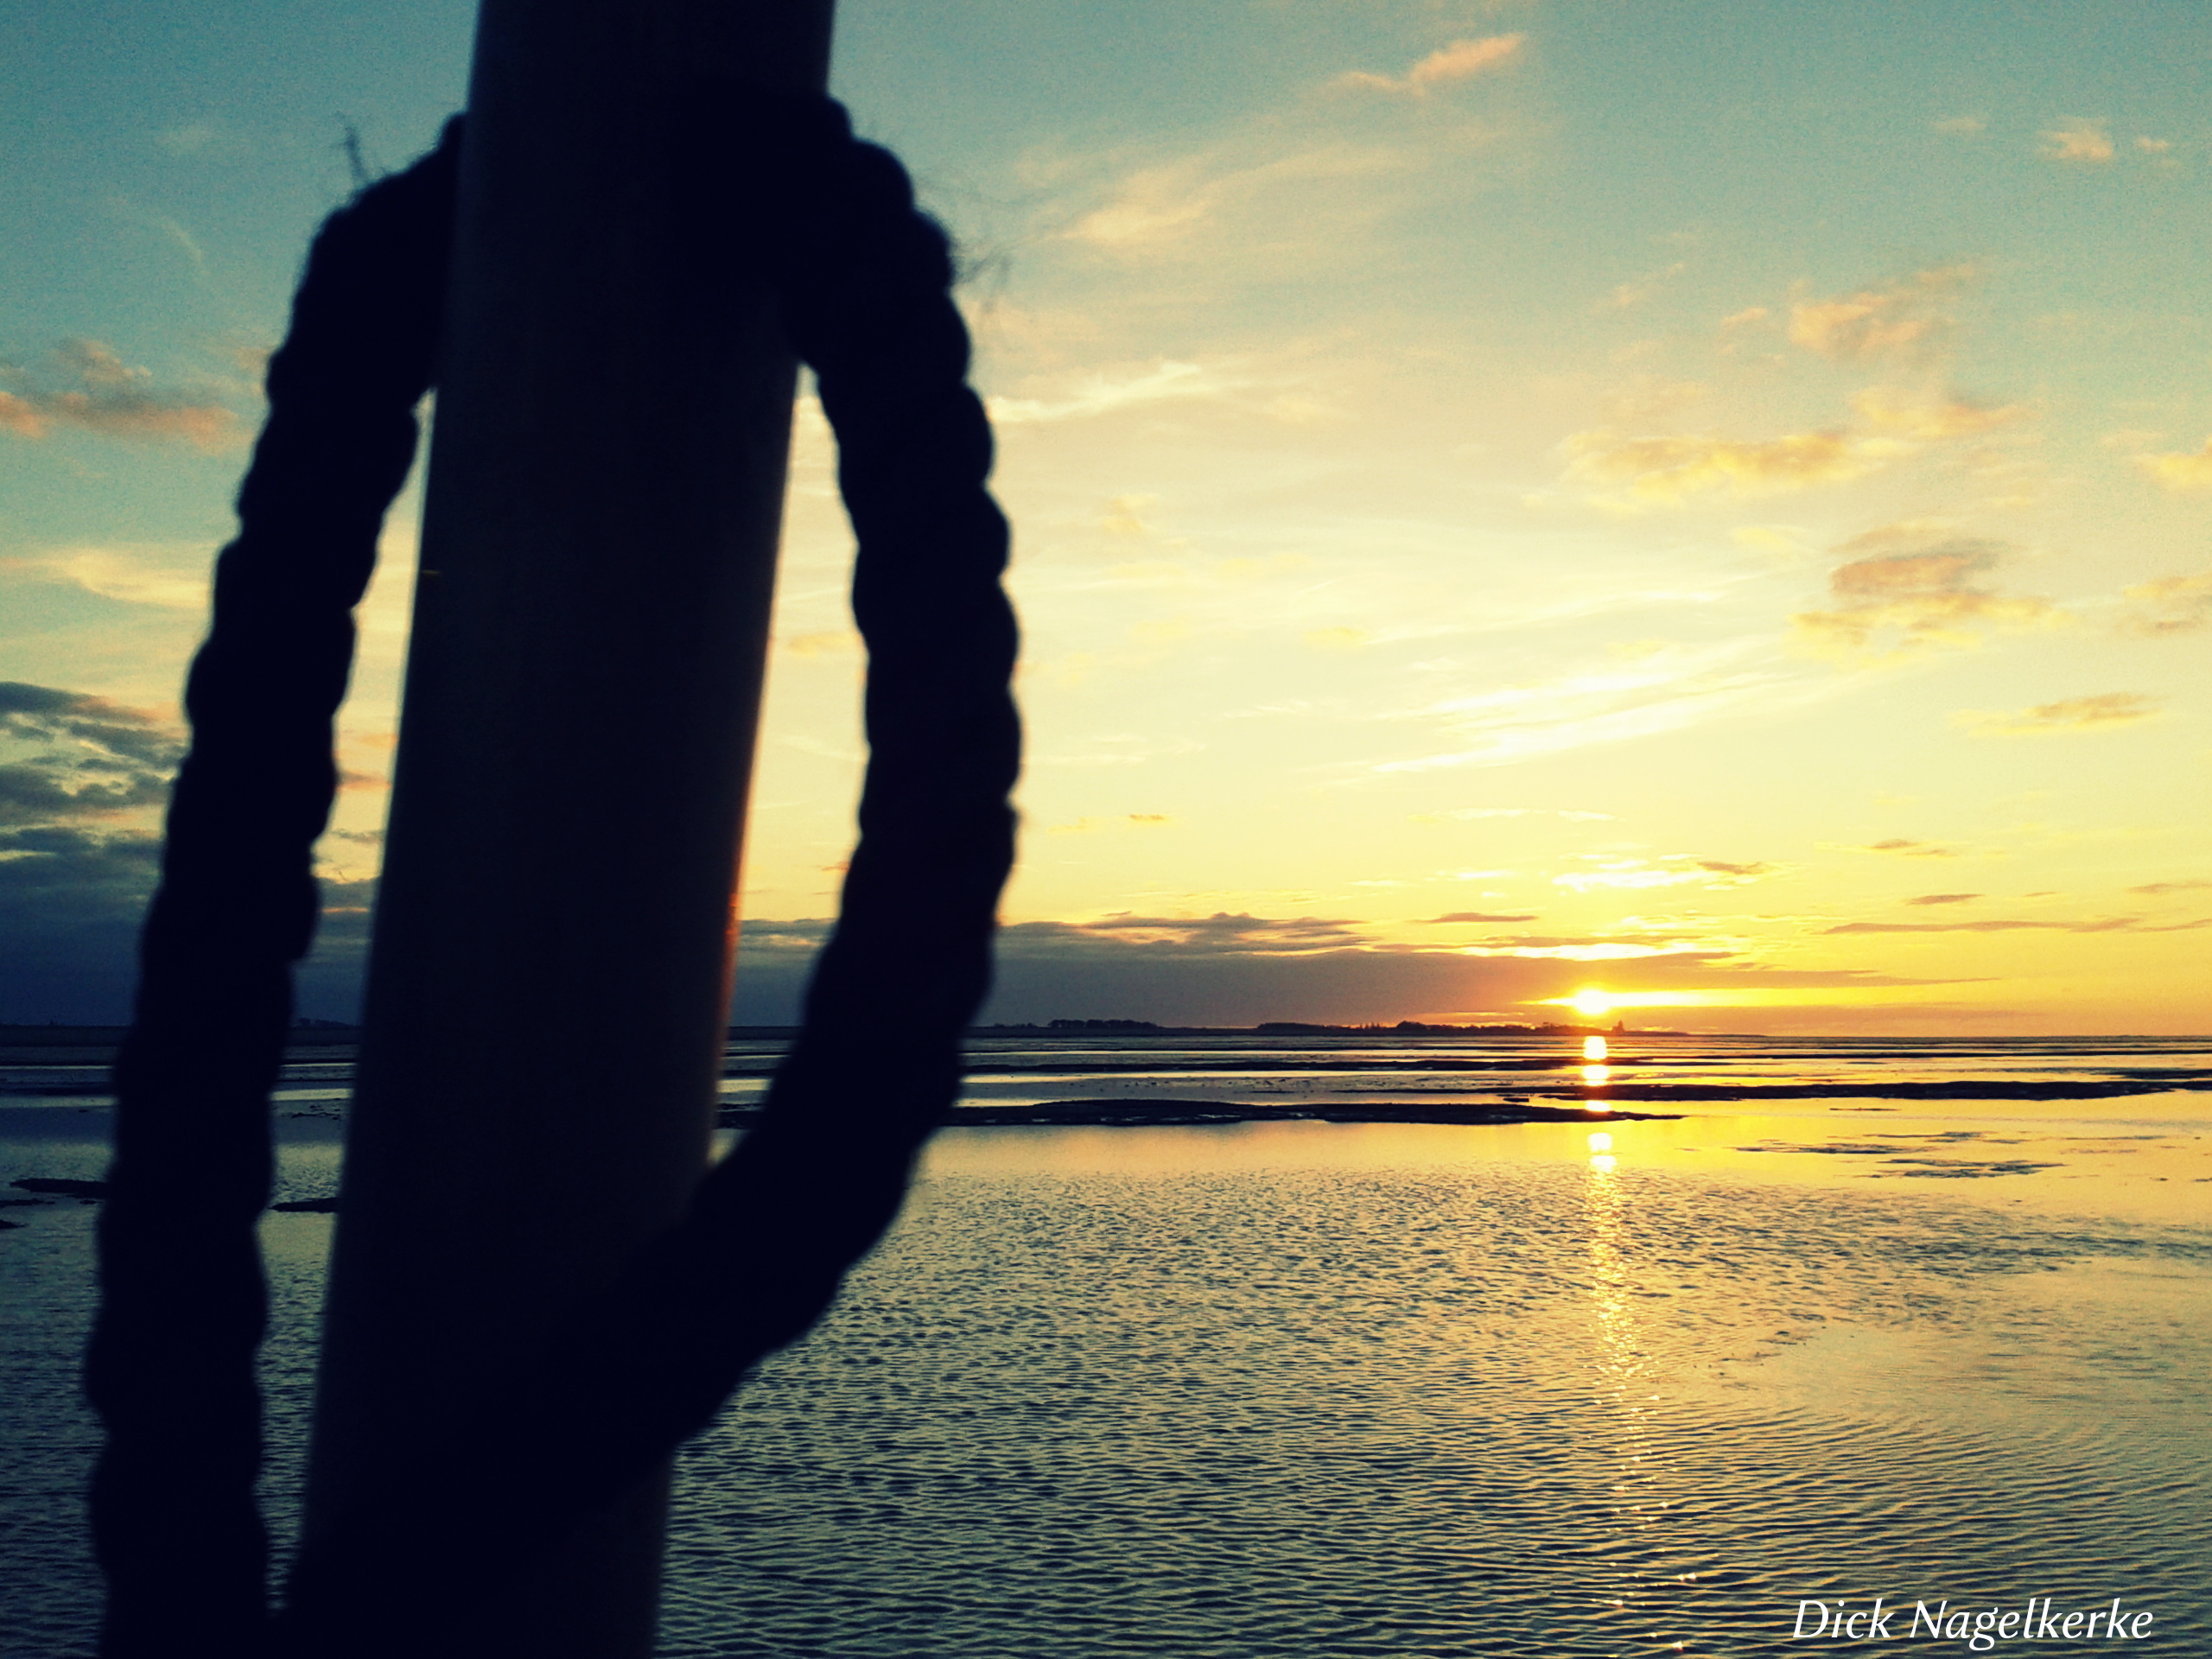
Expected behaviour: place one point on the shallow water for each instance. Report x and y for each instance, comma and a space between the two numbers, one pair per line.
1368, 1389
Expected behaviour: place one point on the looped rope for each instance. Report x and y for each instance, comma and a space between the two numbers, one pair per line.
864, 281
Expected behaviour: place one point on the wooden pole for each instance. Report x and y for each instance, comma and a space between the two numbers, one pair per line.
549, 982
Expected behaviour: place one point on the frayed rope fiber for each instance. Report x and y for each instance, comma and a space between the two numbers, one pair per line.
863, 279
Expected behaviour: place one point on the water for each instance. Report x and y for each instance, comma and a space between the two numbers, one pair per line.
1359, 1389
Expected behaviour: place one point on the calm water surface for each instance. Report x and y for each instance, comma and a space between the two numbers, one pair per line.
1317, 1390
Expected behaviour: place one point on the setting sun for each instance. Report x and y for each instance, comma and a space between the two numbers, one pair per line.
1590, 1004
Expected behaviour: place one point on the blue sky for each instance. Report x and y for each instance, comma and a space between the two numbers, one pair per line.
1725, 482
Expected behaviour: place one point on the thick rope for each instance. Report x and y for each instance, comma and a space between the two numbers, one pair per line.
865, 284
865, 288
182, 1301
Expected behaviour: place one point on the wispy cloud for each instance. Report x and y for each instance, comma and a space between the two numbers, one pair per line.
1932, 416
1242, 933
2077, 140
1111, 393
1944, 899
2068, 714
165, 577
1675, 870
1898, 846
1155, 210
1445, 66
1668, 471
1637, 290
1910, 587
82, 383
2108, 924
1664, 691
1879, 321
1514, 812
1961, 126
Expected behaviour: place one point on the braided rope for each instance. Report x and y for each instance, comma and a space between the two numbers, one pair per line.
184, 1305
864, 280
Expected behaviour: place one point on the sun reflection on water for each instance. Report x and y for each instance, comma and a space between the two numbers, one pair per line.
1622, 1369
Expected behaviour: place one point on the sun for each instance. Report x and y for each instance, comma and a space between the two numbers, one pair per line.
1590, 1004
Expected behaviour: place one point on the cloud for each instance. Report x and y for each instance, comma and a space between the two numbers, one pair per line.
71, 899
1635, 292
1445, 66
2171, 887
146, 575
1459, 917
2078, 141
2188, 469
1677, 869
1668, 471
1154, 209
1122, 515
2153, 146
86, 732
1513, 812
1109, 394
1617, 701
84, 383
2068, 714
1960, 126
1944, 899
75, 869
1919, 586
1241, 932
1913, 415
2109, 925
1904, 848
1878, 321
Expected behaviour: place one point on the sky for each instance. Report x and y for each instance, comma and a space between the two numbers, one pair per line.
1704, 503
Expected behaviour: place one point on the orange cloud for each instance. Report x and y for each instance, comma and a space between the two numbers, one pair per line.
2068, 714
2169, 605
1664, 470
1926, 592
85, 384
1455, 62
2187, 470
1876, 321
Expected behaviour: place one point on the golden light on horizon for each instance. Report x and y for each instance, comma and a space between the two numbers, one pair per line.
1591, 1003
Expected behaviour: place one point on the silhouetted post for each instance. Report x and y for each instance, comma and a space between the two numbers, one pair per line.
549, 982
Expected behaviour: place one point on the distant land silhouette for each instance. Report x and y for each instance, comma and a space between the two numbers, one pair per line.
335, 1033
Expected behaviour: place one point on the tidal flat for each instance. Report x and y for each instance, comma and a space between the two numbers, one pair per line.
1294, 1386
